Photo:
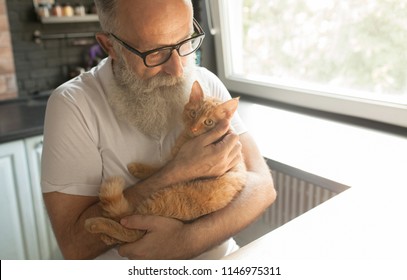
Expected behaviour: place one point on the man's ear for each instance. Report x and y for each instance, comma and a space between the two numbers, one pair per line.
106, 44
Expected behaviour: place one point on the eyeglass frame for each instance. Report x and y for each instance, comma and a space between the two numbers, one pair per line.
143, 55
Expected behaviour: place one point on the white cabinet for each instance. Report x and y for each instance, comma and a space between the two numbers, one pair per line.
48, 247
25, 230
18, 234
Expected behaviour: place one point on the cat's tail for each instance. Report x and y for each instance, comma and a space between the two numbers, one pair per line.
112, 200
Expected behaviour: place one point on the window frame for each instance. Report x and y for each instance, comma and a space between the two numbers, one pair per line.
316, 98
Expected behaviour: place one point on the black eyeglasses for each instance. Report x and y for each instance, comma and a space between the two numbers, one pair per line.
161, 55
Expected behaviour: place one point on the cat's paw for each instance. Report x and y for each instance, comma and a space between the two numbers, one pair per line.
141, 171
92, 225
109, 240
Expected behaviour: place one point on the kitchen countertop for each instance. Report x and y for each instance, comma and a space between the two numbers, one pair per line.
366, 222
21, 118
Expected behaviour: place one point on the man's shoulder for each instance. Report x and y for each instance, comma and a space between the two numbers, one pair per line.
85, 85
204, 73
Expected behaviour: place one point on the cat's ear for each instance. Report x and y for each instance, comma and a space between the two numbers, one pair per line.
227, 109
197, 94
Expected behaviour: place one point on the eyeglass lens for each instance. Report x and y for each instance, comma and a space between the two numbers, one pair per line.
162, 55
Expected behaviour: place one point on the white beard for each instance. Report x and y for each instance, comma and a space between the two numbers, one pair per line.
155, 105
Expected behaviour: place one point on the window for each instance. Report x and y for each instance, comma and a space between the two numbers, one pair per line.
346, 57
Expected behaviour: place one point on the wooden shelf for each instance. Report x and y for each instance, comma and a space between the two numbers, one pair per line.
72, 19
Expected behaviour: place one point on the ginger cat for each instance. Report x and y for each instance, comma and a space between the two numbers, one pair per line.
184, 201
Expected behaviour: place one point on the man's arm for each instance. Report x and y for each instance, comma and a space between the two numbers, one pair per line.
169, 238
68, 213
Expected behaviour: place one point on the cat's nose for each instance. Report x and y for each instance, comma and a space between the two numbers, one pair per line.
194, 129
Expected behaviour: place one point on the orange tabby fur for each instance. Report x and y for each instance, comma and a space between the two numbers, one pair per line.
184, 201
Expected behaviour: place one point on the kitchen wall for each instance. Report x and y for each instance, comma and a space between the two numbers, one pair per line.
42, 66
8, 88
45, 65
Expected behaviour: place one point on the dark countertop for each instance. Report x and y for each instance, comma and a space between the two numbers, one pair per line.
22, 118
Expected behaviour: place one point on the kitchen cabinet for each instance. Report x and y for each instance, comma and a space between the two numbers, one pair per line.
25, 228
18, 234
48, 247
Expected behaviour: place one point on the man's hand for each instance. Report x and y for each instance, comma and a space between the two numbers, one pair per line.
166, 238
207, 155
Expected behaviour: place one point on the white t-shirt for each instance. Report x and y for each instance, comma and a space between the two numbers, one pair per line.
85, 143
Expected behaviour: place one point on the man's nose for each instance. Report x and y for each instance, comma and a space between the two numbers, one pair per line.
174, 65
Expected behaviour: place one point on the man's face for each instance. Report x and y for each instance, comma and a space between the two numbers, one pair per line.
147, 25
151, 98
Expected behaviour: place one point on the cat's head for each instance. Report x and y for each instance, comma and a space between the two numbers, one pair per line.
203, 113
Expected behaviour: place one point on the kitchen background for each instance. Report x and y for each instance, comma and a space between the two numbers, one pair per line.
36, 57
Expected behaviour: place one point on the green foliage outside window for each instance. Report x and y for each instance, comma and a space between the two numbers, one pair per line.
354, 44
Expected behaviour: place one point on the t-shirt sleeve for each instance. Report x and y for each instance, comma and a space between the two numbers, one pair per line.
212, 85
71, 162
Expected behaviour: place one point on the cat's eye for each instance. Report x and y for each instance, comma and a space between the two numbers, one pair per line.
192, 114
208, 122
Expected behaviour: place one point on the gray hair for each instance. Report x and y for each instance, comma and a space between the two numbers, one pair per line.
107, 14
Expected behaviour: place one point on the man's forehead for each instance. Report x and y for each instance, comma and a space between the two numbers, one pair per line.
155, 27
160, 37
